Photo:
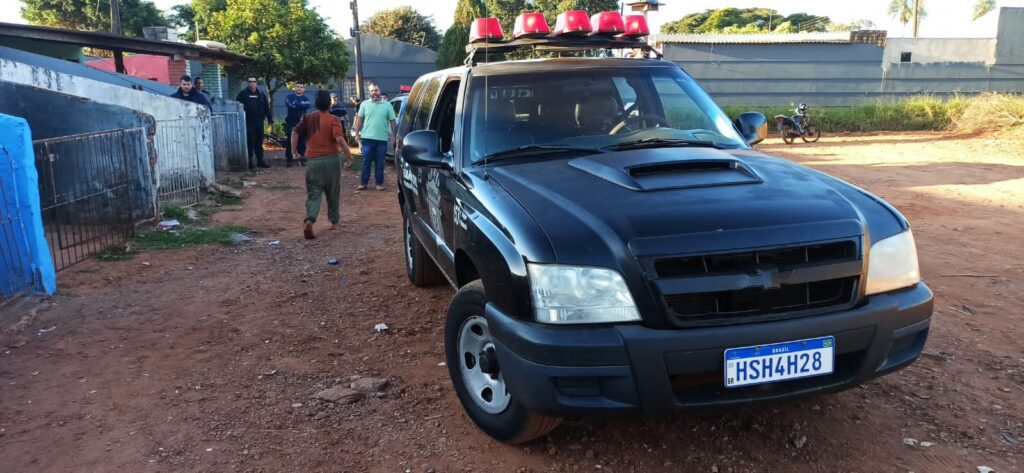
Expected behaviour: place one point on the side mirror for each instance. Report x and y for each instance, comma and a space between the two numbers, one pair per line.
422, 148
753, 126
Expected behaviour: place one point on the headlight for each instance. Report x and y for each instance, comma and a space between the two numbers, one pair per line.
893, 264
578, 295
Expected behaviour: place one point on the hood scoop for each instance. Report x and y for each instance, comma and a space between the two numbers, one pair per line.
668, 168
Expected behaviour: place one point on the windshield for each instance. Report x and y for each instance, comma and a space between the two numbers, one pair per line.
601, 109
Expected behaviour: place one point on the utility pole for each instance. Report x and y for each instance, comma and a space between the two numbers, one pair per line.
917, 16
115, 28
358, 49
115, 18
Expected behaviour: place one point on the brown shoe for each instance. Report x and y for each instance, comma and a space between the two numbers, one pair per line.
308, 231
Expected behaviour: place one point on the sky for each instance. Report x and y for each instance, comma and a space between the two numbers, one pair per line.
946, 18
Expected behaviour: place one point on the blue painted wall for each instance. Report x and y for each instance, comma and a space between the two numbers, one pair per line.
26, 264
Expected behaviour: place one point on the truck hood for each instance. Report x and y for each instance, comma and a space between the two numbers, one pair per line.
676, 200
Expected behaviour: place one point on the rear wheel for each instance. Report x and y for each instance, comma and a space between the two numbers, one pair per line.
422, 270
788, 135
811, 134
477, 376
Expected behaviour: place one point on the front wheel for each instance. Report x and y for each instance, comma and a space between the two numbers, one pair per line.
477, 376
788, 135
811, 134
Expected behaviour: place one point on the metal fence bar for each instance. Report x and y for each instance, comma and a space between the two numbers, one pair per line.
85, 184
229, 141
179, 173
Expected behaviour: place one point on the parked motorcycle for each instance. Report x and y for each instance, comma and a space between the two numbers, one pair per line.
798, 125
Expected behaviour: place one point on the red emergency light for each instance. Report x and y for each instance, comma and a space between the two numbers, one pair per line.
404, 89
531, 25
485, 30
636, 26
572, 22
607, 23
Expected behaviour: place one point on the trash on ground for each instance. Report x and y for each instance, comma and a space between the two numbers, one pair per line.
381, 328
333, 261
239, 238
910, 442
340, 395
44, 330
985, 469
168, 225
221, 189
275, 243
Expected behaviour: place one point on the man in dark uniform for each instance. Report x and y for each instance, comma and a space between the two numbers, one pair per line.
297, 105
257, 109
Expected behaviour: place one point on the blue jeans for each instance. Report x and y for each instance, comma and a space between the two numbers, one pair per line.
373, 152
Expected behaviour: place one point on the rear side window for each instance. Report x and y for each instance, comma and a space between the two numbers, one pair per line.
421, 113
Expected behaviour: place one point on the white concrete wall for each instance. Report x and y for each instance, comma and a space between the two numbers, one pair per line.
161, 108
940, 50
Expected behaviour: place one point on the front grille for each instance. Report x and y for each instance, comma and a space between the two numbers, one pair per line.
758, 301
750, 261
754, 285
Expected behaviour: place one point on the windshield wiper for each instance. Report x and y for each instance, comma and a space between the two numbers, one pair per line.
662, 143
533, 150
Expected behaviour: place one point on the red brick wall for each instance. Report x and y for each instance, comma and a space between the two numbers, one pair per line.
175, 69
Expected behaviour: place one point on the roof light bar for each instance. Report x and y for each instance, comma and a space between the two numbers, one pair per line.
531, 25
636, 26
572, 22
485, 30
607, 23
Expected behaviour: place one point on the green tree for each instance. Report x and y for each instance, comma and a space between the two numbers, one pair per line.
183, 16
506, 11
93, 15
903, 12
287, 40
745, 20
982, 8
404, 24
453, 46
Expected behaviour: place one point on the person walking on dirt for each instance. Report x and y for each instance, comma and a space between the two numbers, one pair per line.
324, 142
188, 93
257, 109
375, 122
297, 105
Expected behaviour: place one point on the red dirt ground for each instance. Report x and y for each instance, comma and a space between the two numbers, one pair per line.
207, 359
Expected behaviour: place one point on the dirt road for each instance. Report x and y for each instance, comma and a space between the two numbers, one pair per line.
207, 359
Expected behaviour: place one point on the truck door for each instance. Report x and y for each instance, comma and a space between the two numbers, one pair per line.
414, 178
440, 193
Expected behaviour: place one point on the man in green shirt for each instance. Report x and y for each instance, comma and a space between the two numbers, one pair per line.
375, 121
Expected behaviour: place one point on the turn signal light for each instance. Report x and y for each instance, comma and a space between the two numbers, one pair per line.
530, 25
607, 23
572, 22
636, 26
485, 30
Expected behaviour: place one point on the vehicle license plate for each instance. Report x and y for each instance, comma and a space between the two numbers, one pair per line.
779, 362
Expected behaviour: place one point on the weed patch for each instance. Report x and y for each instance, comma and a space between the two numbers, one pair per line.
986, 112
228, 200
161, 240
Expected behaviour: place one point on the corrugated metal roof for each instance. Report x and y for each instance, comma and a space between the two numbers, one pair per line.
767, 38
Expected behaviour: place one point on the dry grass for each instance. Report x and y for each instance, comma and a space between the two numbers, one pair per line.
990, 112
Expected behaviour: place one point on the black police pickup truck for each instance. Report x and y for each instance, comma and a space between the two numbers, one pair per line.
617, 246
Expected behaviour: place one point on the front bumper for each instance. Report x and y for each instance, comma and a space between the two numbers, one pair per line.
630, 368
